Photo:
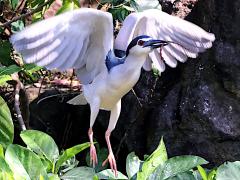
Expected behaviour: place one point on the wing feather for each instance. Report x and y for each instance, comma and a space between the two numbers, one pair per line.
77, 39
185, 38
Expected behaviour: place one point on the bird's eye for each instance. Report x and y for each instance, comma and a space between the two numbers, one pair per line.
140, 42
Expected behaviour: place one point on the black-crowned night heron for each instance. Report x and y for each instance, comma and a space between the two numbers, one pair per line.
83, 39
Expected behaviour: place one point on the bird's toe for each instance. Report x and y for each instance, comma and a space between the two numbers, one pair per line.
93, 156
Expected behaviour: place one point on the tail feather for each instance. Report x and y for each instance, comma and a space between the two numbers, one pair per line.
78, 100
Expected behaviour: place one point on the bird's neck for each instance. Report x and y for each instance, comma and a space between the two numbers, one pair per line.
134, 61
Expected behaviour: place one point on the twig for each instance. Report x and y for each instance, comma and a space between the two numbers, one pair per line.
55, 95
18, 87
137, 97
25, 15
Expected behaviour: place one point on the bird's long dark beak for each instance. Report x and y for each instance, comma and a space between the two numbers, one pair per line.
155, 43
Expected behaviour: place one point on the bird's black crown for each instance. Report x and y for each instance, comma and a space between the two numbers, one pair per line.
134, 42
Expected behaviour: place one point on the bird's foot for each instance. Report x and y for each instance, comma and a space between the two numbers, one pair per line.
112, 162
93, 156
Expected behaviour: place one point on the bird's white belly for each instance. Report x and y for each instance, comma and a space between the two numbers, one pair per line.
111, 87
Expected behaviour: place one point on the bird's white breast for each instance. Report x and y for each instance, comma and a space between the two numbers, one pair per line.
111, 86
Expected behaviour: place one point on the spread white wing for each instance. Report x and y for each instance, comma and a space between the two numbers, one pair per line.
77, 39
189, 39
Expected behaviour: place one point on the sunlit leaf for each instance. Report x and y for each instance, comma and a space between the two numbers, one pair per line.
9, 70
5, 171
24, 163
132, 164
183, 176
17, 26
68, 6
212, 174
69, 153
228, 171
156, 159
4, 79
180, 164
108, 174
31, 68
1, 151
53, 177
77, 173
6, 124
202, 172
41, 143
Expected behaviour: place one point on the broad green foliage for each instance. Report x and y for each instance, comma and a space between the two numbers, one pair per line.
1, 151
108, 174
41, 160
5, 53
133, 164
24, 163
180, 164
41, 143
121, 9
17, 26
68, 5
155, 160
69, 153
7, 71
5, 171
85, 173
229, 171
6, 124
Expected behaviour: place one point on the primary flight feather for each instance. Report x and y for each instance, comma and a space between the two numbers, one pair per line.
83, 39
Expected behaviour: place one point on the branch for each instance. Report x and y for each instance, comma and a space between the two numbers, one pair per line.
18, 87
25, 15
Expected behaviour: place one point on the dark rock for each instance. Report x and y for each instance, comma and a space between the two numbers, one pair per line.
196, 107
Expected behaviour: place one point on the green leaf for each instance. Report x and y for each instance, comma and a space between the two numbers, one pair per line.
183, 176
132, 164
24, 163
17, 26
5, 171
6, 124
69, 153
228, 171
157, 158
85, 173
179, 164
202, 172
5, 53
212, 175
41, 143
1, 151
9, 70
102, 154
4, 79
68, 6
31, 68
108, 174
13, 3
53, 177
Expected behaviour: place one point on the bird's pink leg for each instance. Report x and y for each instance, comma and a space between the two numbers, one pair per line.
93, 154
110, 158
